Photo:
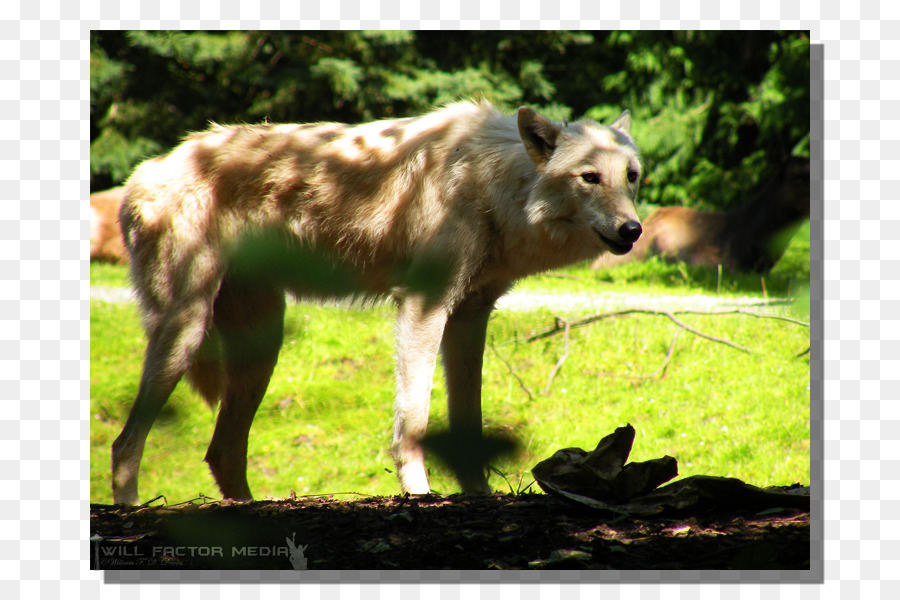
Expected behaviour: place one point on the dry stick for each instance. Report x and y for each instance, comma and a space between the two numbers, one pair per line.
661, 370
563, 325
741, 311
586, 321
556, 328
649, 311
562, 358
705, 335
511, 371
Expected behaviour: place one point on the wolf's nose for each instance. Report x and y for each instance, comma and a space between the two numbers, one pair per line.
630, 231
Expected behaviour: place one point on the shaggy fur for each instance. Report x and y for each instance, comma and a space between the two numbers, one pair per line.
482, 197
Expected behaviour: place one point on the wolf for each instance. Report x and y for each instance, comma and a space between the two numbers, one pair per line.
483, 197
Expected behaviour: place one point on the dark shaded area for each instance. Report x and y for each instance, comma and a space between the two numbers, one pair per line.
528, 531
468, 455
757, 233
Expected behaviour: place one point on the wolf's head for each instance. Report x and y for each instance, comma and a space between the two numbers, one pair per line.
588, 177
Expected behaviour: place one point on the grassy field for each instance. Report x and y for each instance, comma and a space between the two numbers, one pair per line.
325, 424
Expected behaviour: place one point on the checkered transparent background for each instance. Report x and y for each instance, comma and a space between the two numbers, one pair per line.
44, 307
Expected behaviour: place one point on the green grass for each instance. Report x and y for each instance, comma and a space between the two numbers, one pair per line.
325, 424
109, 275
789, 277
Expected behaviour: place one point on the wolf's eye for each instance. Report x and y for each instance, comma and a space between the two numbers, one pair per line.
632, 176
590, 178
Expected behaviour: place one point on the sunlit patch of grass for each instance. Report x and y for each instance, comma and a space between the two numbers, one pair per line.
325, 424
789, 277
109, 275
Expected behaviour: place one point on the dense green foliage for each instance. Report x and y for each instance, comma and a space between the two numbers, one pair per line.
713, 111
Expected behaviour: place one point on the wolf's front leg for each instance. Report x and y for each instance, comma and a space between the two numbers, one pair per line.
463, 351
419, 331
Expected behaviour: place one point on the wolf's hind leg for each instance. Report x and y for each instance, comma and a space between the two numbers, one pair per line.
250, 325
172, 343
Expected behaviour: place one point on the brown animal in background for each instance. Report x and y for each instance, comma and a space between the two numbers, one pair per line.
747, 238
487, 197
106, 235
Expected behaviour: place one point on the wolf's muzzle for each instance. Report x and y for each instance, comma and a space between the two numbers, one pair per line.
628, 233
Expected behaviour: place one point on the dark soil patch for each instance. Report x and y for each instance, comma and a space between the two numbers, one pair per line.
528, 531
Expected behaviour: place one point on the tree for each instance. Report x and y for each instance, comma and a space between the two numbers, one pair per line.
714, 112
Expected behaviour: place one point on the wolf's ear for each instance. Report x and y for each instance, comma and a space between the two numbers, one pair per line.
623, 123
538, 135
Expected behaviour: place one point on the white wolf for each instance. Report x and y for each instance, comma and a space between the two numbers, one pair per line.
483, 197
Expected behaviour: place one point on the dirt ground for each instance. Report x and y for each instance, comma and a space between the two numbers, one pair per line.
526, 531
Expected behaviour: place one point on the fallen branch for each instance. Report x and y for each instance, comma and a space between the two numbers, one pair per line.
563, 325
705, 335
741, 311
581, 323
652, 311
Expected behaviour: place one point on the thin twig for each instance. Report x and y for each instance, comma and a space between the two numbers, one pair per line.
563, 325
661, 370
741, 311
705, 335
652, 311
511, 371
562, 358
152, 500
582, 322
